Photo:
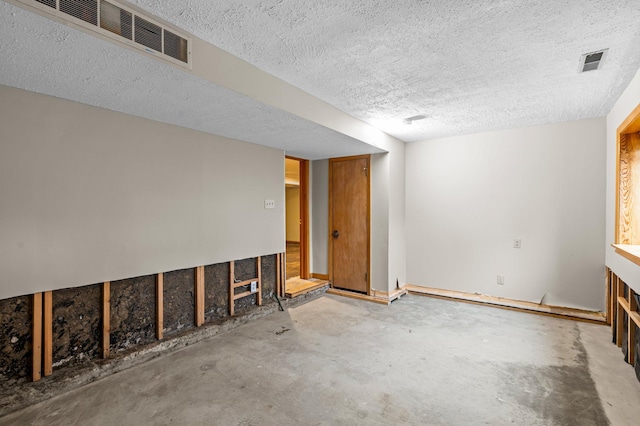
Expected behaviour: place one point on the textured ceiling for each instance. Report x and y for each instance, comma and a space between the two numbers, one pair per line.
468, 65
43, 56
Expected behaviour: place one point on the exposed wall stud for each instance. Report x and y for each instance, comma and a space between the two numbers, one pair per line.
278, 275
106, 318
232, 278
48, 333
259, 275
159, 306
199, 296
37, 337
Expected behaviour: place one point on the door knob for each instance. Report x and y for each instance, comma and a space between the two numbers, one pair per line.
336, 234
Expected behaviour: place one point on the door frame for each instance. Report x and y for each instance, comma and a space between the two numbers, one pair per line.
304, 215
330, 230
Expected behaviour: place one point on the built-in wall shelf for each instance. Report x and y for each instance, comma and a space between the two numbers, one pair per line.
630, 251
627, 236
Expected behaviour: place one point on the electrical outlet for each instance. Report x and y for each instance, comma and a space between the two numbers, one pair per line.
517, 243
501, 279
269, 204
254, 286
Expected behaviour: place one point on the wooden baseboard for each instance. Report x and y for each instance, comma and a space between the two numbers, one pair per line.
358, 296
381, 297
511, 304
320, 276
389, 296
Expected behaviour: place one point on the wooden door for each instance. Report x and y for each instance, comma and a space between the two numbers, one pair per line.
349, 223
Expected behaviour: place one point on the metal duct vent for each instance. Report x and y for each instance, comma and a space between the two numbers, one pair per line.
121, 23
592, 61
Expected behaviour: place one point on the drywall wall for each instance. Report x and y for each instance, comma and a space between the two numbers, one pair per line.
469, 197
397, 217
319, 216
625, 269
379, 221
90, 195
293, 214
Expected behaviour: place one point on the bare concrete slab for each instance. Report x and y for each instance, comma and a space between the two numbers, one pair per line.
339, 361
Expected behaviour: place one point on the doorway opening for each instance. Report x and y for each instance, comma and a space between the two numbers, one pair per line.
296, 184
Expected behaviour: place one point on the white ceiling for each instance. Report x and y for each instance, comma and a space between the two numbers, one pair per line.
469, 66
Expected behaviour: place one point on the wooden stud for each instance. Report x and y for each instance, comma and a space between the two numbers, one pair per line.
37, 337
199, 296
608, 295
283, 275
106, 318
259, 275
631, 328
159, 306
620, 313
614, 303
48, 333
278, 275
232, 279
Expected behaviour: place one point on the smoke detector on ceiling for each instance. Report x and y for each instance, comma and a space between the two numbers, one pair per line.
410, 120
592, 61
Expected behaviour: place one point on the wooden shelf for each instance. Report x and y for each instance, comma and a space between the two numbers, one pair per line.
629, 251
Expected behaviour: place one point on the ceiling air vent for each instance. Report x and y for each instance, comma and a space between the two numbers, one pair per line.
592, 61
85, 10
50, 3
148, 34
118, 22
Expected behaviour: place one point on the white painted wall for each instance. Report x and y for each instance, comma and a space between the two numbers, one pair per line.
293, 214
469, 197
380, 170
319, 212
625, 269
89, 195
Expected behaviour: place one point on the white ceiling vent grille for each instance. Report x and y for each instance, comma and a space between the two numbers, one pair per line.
118, 22
592, 61
85, 10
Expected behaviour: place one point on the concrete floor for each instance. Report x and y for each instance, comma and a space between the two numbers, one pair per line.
338, 361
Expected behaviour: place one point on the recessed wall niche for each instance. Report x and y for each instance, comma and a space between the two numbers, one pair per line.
627, 239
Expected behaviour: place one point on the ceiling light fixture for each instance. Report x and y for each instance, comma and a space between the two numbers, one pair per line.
410, 120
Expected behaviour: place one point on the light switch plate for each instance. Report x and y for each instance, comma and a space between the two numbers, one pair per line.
269, 204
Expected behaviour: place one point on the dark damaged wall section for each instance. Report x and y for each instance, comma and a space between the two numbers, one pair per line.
179, 300
133, 312
216, 288
15, 337
269, 278
77, 314
77, 323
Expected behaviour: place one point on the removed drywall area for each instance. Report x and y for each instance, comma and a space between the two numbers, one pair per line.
133, 312
179, 303
15, 337
77, 324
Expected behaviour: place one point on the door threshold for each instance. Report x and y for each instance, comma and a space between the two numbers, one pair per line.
295, 287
